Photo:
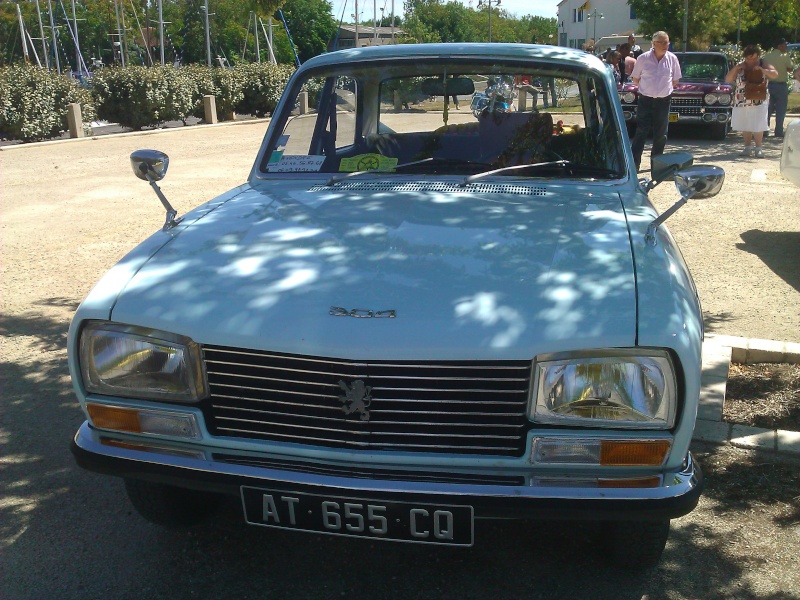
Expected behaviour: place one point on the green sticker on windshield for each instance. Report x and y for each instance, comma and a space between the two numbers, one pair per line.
366, 162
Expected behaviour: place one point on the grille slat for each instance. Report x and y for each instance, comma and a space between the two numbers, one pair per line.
460, 407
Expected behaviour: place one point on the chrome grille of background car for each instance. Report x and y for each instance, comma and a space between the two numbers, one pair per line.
449, 188
686, 101
457, 407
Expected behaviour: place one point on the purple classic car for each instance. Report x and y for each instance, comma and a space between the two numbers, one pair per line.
702, 96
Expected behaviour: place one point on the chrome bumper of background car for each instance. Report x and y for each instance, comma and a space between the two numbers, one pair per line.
209, 470
719, 115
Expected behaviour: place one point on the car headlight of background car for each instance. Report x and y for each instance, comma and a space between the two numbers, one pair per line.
628, 97
723, 98
631, 392
135, 362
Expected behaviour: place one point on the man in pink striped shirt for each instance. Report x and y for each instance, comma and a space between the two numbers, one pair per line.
656, 72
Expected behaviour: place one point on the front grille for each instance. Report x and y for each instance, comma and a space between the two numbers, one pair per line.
355, 472
456, 407
686, 101
688, 110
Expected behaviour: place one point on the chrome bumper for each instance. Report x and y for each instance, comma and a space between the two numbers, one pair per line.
175, 465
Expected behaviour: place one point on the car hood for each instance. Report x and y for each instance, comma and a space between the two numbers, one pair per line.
493, 271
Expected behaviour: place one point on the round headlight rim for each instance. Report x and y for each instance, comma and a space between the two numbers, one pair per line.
711, 98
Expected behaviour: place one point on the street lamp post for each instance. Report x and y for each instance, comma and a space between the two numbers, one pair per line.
489, 4
594, 16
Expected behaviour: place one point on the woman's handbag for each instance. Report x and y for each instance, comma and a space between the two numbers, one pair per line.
755, 84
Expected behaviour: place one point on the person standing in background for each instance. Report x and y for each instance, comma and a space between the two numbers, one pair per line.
656, 72
779, 59
634, 46
626, 61
750, 113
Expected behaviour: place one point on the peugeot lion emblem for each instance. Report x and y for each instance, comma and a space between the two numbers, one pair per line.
356, 398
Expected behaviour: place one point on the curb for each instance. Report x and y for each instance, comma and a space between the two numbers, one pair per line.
156, 131
718, 353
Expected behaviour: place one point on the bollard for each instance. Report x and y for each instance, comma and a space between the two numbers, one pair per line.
74, 120
210, 109
522, 102
397, 104
303, 98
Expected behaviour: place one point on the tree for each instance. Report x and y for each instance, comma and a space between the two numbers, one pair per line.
311, 25
713, 21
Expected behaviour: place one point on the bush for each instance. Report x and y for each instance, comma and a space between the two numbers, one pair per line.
33, 103
226, 85
263, 86
139, 97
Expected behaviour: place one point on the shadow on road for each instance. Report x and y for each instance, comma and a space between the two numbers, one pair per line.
779, 250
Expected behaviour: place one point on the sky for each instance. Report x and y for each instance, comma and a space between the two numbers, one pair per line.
520, 8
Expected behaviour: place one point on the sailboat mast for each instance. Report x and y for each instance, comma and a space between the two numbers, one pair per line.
41, 37
53, 34
22, 35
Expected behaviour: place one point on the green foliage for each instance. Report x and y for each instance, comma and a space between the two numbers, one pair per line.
263, 85
713, 21
311, 24
33, 102
437, 21
138, 97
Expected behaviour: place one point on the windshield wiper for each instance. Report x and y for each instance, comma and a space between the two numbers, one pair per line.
432, 159
574, 168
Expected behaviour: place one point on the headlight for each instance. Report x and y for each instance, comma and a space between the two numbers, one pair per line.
632, 392
710, 98
628, 97
135, 362
724, 99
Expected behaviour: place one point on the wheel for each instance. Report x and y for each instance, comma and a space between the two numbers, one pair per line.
168, 506
635, 545
719, 131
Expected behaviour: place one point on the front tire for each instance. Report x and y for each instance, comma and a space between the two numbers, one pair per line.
719, 131
635, 545
168, 506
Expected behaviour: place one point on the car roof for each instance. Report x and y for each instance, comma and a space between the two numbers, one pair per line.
482, 51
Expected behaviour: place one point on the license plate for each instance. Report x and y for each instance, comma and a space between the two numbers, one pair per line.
416, 522
673, 117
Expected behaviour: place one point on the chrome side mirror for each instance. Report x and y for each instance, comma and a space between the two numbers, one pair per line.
149, 162
664, 166
151, 166
702, 181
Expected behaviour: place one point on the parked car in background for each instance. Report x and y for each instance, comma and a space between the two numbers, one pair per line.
406, 321
701, 97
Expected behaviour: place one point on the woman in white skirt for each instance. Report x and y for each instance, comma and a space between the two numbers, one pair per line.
750, 116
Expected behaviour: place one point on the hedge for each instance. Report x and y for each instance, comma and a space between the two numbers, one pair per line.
33, 103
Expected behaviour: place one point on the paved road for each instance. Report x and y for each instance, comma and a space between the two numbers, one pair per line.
70, 210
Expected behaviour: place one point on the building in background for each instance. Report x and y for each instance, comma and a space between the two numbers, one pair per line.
582, 20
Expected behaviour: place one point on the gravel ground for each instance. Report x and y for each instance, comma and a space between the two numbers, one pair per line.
71, 210
763, 395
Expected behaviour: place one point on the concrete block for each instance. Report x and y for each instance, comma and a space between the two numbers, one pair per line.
716, 366
74, 120
743, 436
759, 351
715, 432
210, 109
712, 398
303, 102
792, 352
739, 354
789, 442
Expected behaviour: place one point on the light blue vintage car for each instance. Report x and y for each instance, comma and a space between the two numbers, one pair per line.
410, 317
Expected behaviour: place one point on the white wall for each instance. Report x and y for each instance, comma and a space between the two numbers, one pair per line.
616, 19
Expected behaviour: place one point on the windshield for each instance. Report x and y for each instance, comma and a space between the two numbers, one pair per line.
703, 66
448, 117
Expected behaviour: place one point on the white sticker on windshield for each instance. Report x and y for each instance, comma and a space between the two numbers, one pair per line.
296, 163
